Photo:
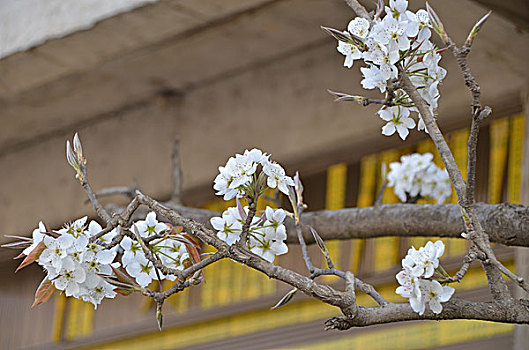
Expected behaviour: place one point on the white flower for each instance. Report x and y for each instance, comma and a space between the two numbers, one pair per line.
389, 30
267, 243
98, 260
228, 227
423, 262
434, 294
350, 51
416, 175
56, 251
142, 270
385, 56
150, 226
75, 228
409, 284
94, 228
275, 216
222, 184
172, 254
373, 78
276, 177
256, 156
398, 120
38, 236
359, 27
100, 290
396, 8
70, 275
131, 249
242, 168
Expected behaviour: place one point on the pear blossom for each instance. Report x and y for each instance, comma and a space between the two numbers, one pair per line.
150, 226
267, 232
69, 277
350, 51
277, 177
401, 37
229, 227
56, 251
398, 120
416, 175
131, 250
424, 261
433, 293
100, 290
268, 242
396, 8
409, 284
416, 282
359, 27
142, 270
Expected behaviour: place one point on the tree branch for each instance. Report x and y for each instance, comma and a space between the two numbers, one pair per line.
516, 312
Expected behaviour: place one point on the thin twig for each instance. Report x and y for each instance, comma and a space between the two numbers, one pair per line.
358, 9
176, 195
246, 227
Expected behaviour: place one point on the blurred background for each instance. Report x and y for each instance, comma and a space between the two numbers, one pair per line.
223, 76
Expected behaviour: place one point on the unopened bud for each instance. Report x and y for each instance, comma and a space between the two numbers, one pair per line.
159, 316
78, 149
344, 36
476, 29
437, 25
70, 156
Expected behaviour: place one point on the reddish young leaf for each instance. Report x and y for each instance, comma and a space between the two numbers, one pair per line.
174, 230
44, 292
123, 291
192, 239
34, 255
122, 275
193, 253
19, 256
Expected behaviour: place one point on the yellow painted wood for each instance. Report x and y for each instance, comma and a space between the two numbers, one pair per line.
227, 327
366, 195
79, 319
386, 254
416, 336
499, 132
514, 177
335, 199
261, 320
58, 318
459, 147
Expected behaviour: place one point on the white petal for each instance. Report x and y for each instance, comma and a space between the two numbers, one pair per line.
435, 306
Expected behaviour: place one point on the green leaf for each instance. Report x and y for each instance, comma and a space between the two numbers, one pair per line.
284, 300
44, 292
34, 255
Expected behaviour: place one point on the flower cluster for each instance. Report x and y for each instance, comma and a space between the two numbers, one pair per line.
73, 264
266, 234
171, 252
401, 37
416, 176
239, 176
80, 266
416, 281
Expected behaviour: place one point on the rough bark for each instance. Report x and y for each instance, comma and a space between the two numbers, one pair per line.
504, 223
